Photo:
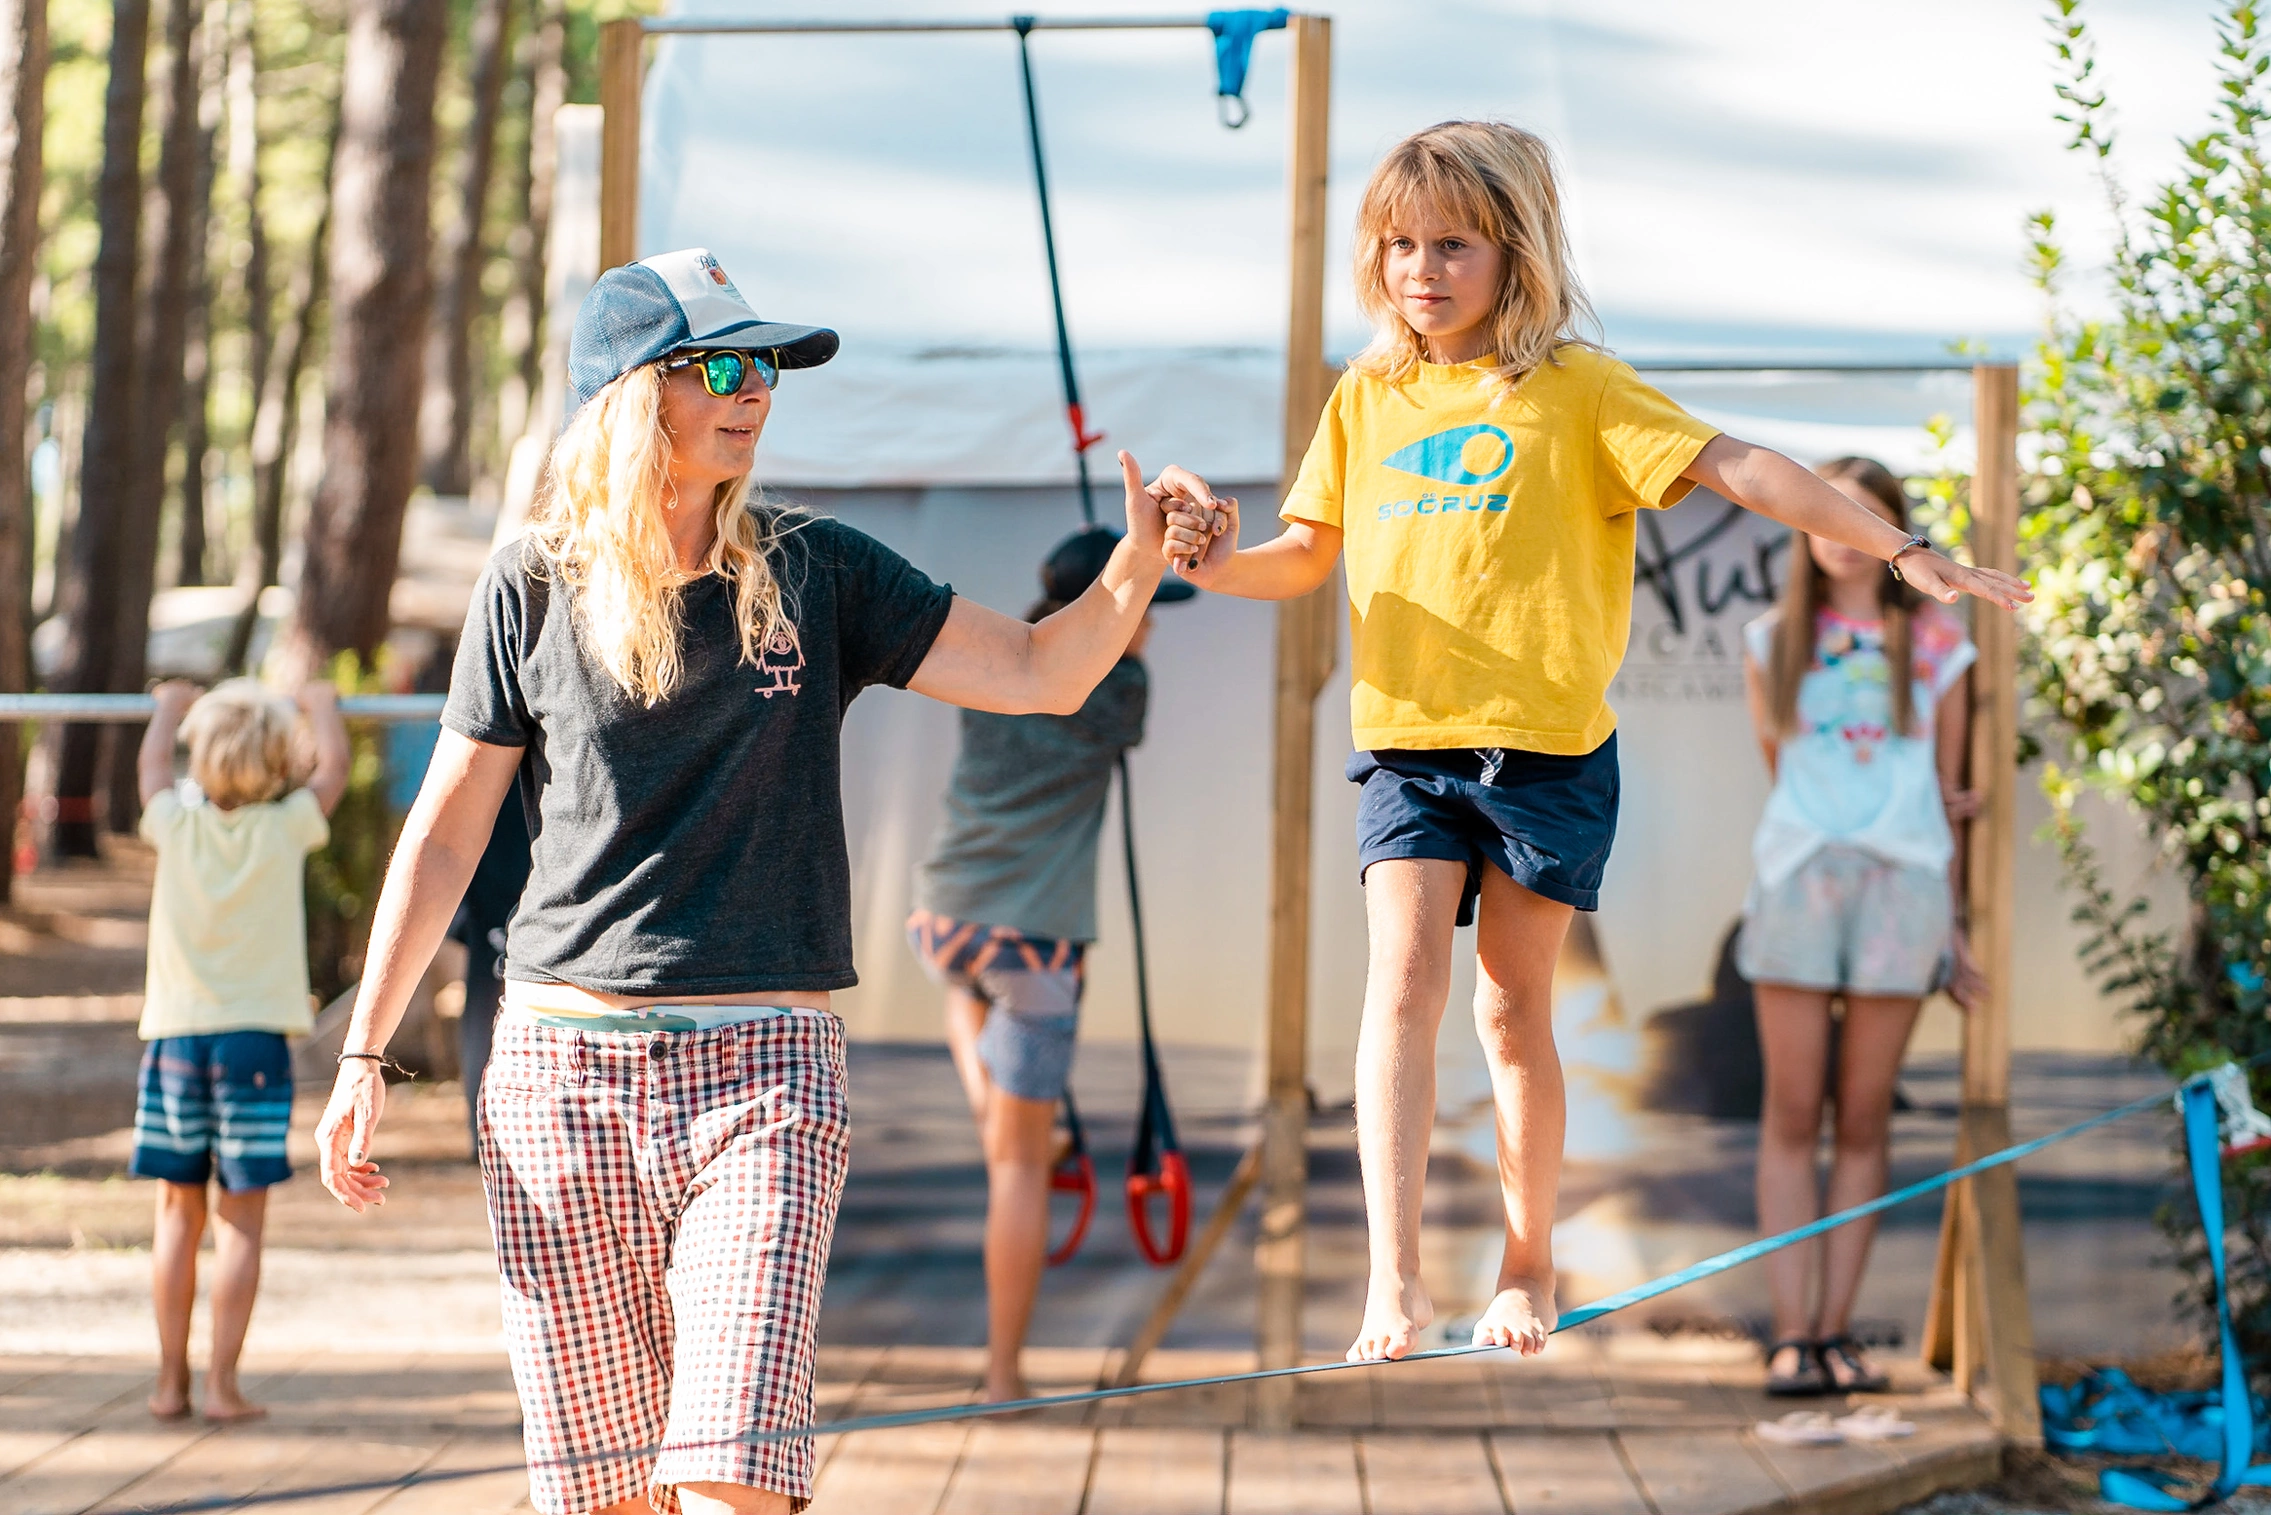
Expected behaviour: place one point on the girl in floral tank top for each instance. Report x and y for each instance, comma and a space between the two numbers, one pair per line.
1858, 690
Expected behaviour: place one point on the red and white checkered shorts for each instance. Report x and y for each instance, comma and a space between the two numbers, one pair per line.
663, 1204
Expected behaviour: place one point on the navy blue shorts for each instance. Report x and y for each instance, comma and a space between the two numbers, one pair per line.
1543, 820
222, 1103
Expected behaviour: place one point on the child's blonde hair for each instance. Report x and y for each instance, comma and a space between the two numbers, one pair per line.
600, 526
1498, 179
241, 749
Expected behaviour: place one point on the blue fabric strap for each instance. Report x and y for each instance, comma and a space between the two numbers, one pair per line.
1234, 34
2145, 1488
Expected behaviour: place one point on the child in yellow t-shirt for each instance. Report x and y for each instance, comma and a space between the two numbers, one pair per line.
228, 981
1480, 465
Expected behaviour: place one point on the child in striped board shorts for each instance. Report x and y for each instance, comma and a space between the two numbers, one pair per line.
227, 983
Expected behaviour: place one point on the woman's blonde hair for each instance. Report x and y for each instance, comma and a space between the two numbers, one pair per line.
1803, 595
1499, 180
599, 524
241, 747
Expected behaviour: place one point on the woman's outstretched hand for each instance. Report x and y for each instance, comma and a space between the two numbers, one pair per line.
343, 1136
1944, 579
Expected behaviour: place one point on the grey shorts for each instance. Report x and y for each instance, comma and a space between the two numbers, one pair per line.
1031, 986
1848, 920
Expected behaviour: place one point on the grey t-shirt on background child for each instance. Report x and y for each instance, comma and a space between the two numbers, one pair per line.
1023, 810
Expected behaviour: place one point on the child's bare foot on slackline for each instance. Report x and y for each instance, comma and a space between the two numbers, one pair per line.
1396, 1310
1521, 1316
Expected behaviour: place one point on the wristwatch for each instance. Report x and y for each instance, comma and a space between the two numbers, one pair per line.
1913, 544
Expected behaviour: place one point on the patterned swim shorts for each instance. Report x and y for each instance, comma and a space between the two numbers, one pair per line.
217, 1105
663, 1204
1031, 986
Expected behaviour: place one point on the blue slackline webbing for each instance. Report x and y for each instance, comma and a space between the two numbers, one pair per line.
2147, 1488
1709, 1267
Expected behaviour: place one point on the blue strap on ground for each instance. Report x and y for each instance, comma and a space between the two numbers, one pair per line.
1234, 34
2125, 1418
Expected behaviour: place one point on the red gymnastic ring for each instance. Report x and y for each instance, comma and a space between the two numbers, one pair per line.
1075, 1175
1173, 1180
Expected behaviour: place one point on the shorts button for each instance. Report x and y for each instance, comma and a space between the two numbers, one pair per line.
658, 1048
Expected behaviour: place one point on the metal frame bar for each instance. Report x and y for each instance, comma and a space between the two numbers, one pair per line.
127, 708
1800, 365
700, 26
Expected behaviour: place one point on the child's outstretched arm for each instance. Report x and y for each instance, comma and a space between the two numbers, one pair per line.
333, 757
153, 762
1202, 543
1760, 479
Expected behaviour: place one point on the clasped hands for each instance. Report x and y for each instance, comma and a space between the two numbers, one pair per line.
1196, 520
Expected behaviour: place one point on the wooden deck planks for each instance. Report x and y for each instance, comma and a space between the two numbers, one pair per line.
1700, 1472
1293, 1473
1454, 1394
1469, 1436
1567, 1475
1021, 1469
479, 1473
890, 1472
91, 1467
1414, 1473
1157, 1470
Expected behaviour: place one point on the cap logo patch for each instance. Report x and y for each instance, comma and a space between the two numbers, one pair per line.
704, 291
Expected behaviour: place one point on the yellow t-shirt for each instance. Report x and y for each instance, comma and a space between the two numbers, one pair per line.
1488, 541
228, 915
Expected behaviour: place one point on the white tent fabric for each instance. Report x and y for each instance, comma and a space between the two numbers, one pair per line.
1763, 178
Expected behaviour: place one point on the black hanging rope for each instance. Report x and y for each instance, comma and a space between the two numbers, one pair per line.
1082, 437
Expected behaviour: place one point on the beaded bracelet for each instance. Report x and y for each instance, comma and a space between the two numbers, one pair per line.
377, 1057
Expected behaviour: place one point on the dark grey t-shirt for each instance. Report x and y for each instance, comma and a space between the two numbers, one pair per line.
1023, 808
696, 847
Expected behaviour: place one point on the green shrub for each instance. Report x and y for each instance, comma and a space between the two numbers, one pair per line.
2147, 534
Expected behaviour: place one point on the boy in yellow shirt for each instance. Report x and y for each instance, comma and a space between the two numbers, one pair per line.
228, 982
1480, 465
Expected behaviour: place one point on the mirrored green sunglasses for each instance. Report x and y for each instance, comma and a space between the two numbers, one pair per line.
725, 369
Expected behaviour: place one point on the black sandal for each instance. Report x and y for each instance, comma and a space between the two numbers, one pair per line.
1859, 1378
1810, 1381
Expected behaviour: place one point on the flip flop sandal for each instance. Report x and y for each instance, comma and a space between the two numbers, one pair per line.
1800, 1428
1810, 1381
1843, 1352
1875, 1423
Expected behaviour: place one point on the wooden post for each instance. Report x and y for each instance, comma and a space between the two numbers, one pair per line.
622, 70
1979, 1323
1305, 642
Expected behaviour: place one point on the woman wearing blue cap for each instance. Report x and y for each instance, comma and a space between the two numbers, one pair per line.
1005, 910
664, 664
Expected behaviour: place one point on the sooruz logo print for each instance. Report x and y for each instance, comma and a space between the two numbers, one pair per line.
780, 661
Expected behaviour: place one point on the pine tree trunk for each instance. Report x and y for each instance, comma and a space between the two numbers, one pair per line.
244, 169
165, 333
23, 86
106, 473
276, 424
446, 427
197, 352
380, 296
547, 92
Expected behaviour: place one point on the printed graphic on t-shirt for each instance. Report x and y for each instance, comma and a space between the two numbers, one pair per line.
1468, 456
780, 660
1848, 695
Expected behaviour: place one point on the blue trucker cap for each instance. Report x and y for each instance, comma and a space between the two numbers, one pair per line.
645, 311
